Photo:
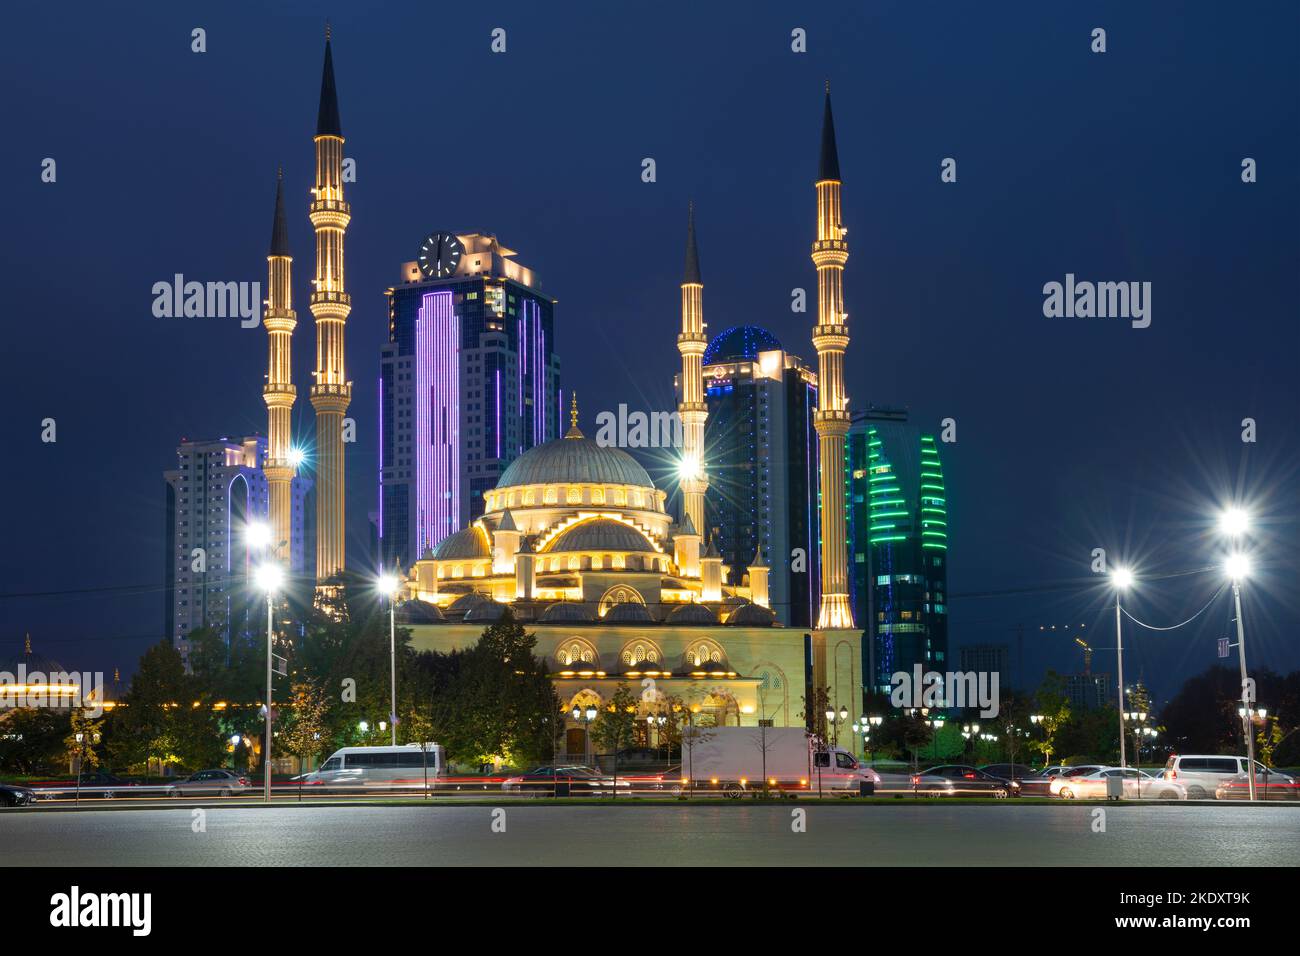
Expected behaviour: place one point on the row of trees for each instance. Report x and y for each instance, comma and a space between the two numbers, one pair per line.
491, 700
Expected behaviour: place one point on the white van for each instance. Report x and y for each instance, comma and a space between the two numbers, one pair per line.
1202, 774
381, 766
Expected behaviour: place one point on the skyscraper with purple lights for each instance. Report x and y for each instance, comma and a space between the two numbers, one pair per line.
468, 381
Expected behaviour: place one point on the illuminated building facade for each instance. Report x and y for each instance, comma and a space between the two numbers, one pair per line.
216, 488
761, 449
468, 381
898, 535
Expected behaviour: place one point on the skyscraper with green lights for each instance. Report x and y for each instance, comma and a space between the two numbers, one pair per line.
898, 545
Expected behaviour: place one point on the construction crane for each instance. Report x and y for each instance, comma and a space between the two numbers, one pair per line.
1087, 655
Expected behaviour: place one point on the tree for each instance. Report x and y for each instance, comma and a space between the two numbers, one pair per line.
612, 727
31, 739
84, 736
814, 711
1054, 708
302, 730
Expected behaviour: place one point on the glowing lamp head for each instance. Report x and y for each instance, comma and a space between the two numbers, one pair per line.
1122, 578
269, 577
387, 584
1234, 522
257, 534
1237, 566
296, 457
688, 469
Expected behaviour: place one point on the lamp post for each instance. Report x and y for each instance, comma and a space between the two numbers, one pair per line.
81, 760
1138, 719
586, 717
1121, 578
269, 579
1233, 523
936, 724
387, 585
968, 732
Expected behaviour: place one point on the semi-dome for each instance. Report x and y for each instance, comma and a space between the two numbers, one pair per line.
486, 612
692, 614
418, 612
628, 612
751, 615
465, 602
573, 460
467, 543
740, 343
600, 534
567, 612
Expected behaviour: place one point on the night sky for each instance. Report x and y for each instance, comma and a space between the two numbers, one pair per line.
1072, 433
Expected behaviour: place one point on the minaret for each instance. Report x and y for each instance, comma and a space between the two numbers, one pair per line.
330, 304
692, 409
830, 338
279, 393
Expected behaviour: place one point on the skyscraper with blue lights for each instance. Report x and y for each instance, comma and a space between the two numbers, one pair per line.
468, 381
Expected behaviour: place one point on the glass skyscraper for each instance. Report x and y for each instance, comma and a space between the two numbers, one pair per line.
898, 545
468, 381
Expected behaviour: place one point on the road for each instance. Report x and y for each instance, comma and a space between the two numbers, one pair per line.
848, 834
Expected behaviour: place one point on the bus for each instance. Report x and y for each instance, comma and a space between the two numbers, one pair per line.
380, 766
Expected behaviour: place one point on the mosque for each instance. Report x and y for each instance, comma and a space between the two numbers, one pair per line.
576, 541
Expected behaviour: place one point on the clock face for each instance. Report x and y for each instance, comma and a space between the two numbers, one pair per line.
439, 255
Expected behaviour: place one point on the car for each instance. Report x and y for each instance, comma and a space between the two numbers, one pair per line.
1202, 774
222, 783
1269, 785
1137, 785
1009, 771
580, 779
15, 796
1057, 780
964, 781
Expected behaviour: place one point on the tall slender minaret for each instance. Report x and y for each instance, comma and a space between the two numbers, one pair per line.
279, 393
330, 304
830, 338
693, 411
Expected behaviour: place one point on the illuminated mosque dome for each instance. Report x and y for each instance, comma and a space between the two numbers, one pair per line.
740, 343
574, 459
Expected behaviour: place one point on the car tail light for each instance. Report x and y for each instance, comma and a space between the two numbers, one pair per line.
915, 781
243, 781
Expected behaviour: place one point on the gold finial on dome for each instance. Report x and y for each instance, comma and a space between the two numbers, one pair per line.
28, 648
573, 431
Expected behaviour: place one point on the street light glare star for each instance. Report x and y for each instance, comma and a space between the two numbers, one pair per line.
257, 534
387, 584
1237, 566
1234, 521
296, 457
269, 578
1122, 578
688, 468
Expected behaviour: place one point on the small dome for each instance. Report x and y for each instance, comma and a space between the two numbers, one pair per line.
751, 615
468, 542
692, 614
629, 612
419, 612
740, 343
600, 534
488, 612
567, 612
574, 460
465, 602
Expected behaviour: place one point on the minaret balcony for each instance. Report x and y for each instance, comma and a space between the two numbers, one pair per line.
692, 343
330, 214
279, 395
832, 421
830, 338
331, 397
280, 320
830, 252
331, 305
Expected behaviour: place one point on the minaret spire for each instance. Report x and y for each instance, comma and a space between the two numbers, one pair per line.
693, 478
330, 305
278, 392
830, 338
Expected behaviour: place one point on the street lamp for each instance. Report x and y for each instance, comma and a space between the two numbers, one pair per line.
387, 584
586, 717
1234, 522
269, 578
1122, 579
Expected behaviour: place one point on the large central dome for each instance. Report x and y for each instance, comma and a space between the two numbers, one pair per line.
574, 460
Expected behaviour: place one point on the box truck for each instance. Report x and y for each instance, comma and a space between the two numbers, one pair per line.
736, 760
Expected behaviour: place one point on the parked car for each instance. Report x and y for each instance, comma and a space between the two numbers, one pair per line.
1057, 780
222, 783
1269, 785
1137, 785
582, 781
15, 796
964, 781
1009, 771
1202, 774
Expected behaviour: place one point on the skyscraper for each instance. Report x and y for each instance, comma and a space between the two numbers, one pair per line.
468, 381
330, 305
216, 488
898, 535
762, 452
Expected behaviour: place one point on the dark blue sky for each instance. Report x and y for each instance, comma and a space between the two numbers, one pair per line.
1072, 433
